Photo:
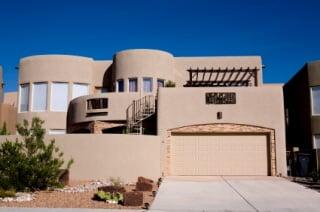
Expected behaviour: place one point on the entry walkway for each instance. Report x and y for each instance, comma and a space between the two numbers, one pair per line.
234, 194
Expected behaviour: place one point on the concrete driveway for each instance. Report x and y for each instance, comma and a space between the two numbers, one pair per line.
234, 194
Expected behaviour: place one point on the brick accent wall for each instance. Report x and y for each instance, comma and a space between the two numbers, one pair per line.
223, 128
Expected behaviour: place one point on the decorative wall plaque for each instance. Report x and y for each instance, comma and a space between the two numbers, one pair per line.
221, 98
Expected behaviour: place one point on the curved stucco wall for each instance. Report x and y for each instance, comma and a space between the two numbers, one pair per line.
116, 111
53, 68
140, 63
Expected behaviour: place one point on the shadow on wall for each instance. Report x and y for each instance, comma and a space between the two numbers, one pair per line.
109, 79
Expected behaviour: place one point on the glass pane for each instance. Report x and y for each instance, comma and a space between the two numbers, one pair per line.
79, 90
147, 84
24, 97
315, 100
57, 131
59, 96
120, 86
316, 140
160, 83
39, 97
133, 87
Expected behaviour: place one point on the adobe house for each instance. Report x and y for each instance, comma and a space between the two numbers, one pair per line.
219, 118
302, 107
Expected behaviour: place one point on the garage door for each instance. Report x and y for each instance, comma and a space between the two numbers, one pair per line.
219, 155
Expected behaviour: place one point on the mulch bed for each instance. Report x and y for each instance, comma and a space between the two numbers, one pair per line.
56, 199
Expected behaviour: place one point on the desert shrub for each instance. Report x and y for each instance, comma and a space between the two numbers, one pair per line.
109, 197
30, 164
170, 84
7, 193
117, 182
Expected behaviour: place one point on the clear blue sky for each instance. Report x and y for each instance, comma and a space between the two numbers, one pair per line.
285, 33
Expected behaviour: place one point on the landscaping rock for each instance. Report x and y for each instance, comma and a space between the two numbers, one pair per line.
144, 186
20, 197
112, 189
83, 188
134, 198
144, 180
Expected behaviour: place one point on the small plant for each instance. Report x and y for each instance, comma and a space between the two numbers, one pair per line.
108, 197
170, 84
7, 193
117, 182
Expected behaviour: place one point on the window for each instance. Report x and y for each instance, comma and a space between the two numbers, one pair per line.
147, 85
160, 83
24, 97
57, 131
315, 95
120, 85
98, 90
39, 96
98, 103
133, 85
79, 90
59, 96
316, 141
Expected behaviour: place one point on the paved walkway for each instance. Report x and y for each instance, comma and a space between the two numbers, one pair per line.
234, 194
64, 210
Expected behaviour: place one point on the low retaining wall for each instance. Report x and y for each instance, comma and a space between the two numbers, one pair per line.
109, 155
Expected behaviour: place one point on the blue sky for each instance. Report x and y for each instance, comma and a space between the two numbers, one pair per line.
285, 33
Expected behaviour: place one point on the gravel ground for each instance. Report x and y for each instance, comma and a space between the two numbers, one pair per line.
58, 199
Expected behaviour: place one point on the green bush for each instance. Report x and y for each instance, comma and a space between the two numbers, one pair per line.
30, 164
3, 129
109, 197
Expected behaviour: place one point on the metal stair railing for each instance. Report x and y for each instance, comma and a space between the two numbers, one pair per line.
138, 111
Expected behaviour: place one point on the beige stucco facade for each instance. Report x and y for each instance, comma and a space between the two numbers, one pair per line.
209, 91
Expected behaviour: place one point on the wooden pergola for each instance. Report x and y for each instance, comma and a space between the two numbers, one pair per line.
222, 77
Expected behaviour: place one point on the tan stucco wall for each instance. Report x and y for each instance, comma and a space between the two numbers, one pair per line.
104, 156
8, 114
11, 98
139, 63
256, 106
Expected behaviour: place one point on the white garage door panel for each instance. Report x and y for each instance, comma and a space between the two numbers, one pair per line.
219, 155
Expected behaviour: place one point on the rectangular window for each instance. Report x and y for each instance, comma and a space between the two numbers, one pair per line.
24, 97
120, 85
59, 96
316, 141
147, 85
39, 96
79, 89
160, 83
57, 131
98, 103
315, 95
133, 85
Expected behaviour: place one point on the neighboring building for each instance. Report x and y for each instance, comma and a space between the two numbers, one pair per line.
219, 119
8, 109
302, 106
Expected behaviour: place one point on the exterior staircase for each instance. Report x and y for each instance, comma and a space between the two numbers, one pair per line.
138, 111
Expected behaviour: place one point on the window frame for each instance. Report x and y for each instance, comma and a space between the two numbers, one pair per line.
28, 97
312, 101
123, 87
78, 83
164, 83
32, 97
136, 80
151, 84
51, 91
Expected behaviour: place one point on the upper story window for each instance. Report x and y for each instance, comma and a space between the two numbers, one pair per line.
315, 95
98, 103
120, 85
59, 96
24, 97
147, 84
160, 83
39, 96
133, 85
79, 89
